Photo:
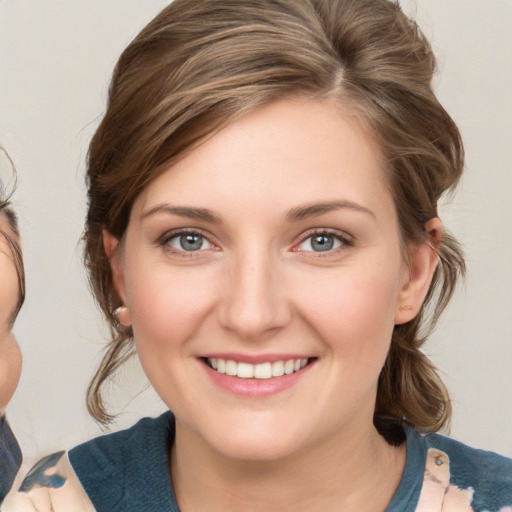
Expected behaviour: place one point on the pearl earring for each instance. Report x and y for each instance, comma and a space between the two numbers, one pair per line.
122, 314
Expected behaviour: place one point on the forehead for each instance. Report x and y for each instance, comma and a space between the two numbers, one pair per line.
9, 278
9, 228
6, 256
292, 150
5, 227
8, 221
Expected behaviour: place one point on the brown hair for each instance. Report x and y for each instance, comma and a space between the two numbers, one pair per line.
12, 241
200, 64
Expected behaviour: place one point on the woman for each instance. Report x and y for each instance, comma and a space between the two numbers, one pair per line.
263, 228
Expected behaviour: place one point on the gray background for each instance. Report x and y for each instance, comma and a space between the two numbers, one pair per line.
56, 57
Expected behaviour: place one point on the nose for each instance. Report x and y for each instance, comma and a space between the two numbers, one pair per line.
254, 303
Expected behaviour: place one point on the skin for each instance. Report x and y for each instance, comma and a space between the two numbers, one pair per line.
256, 286
10, 355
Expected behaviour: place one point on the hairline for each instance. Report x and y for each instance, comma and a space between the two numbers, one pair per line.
16, 256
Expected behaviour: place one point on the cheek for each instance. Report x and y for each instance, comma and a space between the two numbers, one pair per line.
9, 288
166, 304
10, 367
353, 310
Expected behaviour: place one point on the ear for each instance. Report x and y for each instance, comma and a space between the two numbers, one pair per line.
422, 265
113, 252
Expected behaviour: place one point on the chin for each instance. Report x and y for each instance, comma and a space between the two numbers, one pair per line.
251, 437
262, 448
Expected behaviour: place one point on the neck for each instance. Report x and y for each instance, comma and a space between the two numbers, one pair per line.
355, 471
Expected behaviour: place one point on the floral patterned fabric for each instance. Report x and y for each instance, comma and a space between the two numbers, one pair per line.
127, 472
443, 475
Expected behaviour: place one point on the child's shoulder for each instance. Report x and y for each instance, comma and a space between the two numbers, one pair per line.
50, 486
117, 471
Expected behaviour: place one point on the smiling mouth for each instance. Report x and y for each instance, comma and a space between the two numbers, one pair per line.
266, 370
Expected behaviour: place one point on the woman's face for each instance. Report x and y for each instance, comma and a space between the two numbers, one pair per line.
10, 356
272, 248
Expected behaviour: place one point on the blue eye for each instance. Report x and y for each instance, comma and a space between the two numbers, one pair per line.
321, 242
189, 242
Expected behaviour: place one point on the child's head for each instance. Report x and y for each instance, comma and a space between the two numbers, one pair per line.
201, 65
12, 295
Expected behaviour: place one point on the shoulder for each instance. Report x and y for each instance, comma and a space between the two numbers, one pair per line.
111, 452
50, 486
122, 470
10, 457
480, 479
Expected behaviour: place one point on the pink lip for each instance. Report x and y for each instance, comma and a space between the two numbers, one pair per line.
256, 388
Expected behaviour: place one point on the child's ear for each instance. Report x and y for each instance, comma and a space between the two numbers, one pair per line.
114, 254
423, 259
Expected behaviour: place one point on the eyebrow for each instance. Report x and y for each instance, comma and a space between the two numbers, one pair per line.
316, 209
184, 211
295, 214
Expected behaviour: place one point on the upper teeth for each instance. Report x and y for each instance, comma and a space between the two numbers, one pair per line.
257, 371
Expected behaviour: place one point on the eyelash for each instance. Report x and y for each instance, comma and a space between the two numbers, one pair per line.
164, 241
345, 241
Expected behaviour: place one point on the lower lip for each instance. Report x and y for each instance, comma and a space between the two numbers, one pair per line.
256, 388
